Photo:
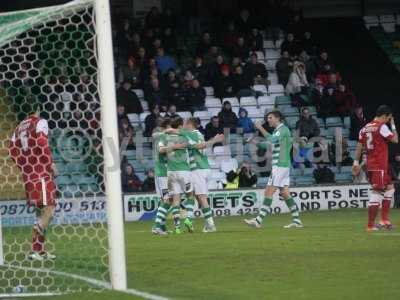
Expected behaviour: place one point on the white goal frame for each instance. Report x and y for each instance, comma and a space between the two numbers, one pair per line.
115, 219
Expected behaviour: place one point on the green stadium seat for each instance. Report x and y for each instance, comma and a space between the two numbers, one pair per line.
282, 100
334, 122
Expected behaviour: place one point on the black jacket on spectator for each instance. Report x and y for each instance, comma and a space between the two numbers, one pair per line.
308, 127
149, 185
201, 73
324, 175
291, 47
130, 183
254, 70
241, 51
241, 82
246, 181
175, 95
211, 131
255, 42
224, 87
228, 119
130, 100
150, 123
284, 69
356, 123
156, 97
196, 97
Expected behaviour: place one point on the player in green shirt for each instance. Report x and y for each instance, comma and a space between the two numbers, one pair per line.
178, 169
281, 141
200, 168
161, 181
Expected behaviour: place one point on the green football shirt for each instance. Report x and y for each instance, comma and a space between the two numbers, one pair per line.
198, 159
281, 141
177, 160
160, 160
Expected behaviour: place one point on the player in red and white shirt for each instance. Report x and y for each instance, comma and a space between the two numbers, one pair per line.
29, 148
374, 139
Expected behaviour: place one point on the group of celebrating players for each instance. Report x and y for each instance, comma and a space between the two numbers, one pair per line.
182, 168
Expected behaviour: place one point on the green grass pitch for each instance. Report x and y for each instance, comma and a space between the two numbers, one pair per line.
331, 258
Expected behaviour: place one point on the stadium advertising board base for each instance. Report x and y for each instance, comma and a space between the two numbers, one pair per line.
243, 202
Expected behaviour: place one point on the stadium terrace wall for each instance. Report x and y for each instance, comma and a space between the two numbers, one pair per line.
141, 207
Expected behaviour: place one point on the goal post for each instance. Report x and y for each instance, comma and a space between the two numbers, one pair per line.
110, 143
62, 58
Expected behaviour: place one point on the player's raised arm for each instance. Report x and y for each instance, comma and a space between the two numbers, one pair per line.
262, 130
216, 139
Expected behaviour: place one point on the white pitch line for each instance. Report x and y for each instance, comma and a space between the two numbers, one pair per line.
92, 281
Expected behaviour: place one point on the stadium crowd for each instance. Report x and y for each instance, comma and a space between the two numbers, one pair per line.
230, 62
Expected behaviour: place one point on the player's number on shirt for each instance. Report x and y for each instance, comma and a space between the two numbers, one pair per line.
370, 145
24, 140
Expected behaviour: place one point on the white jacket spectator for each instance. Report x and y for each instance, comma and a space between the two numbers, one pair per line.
297, 79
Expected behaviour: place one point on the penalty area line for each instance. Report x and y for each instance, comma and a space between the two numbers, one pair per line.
92, 281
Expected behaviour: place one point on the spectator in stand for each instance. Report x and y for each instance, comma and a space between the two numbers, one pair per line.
224, 87
153, 18
164, 62
130, 181
130, 73
298, 87
214, 70
212, 129
307, 125
236, 61
326, 106
227, 117
296, 26
200, 127
171, 113
290, 45
345, 101
309, 64
284, 67
196, 97
174, 91
240, 49
156, 44
169, 41
149, 71
204, 44
149, 183
230, 38
126, 134
324, 64
141, 58
124, 38
148, 38
155, 95
151, 121
199, 70
308, 44
322, 174
244, 22
211, 55
121, 114
245, 122
357, 121
242, 83
247, 178
136, 43
256, 71
128, 98
168, 19
255, 40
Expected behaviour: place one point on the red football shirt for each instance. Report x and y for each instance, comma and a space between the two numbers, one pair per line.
29, 148
375, 137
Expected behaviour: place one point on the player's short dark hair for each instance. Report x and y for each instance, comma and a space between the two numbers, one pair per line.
276, 114
176, 122
165, 122
194, 121
383, 110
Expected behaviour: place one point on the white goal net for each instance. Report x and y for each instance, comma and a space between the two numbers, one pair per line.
48, 56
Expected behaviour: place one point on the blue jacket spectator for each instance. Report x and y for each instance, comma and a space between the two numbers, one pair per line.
164, 62
245, 122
